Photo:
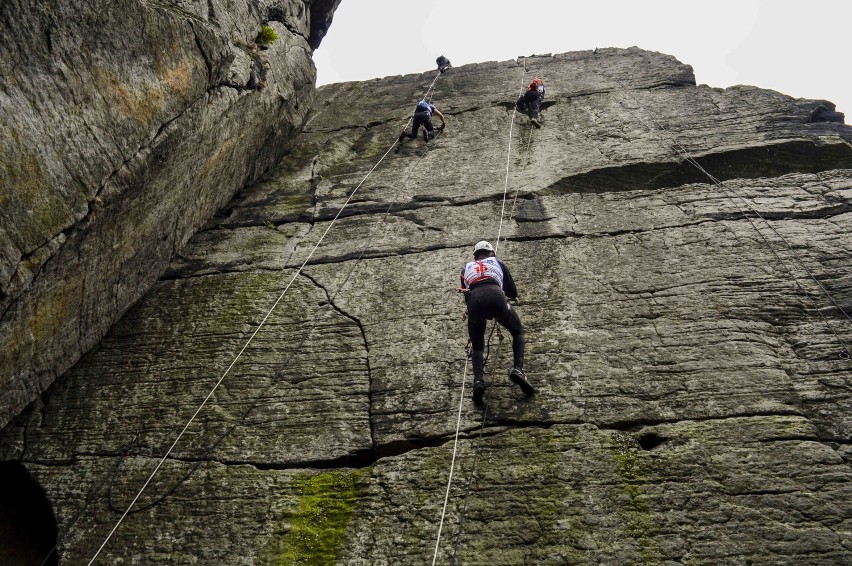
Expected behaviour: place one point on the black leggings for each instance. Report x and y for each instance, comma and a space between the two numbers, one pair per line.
530, 103
486, 302
424, 119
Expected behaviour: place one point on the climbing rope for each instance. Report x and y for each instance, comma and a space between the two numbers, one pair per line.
250, 339
462, 513
464, 377
452, 464
430, 91
518, 189
687, 156
509, 156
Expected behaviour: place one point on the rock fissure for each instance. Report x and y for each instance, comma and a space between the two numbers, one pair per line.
580, 183
207, 62
363, 332
211, 12
8, 292
644, 432
289, 27
825, 213
343, 128
767, 161
367, 254
634, 425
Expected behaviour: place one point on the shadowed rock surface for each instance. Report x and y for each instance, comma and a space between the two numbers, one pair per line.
123, 128
686, 340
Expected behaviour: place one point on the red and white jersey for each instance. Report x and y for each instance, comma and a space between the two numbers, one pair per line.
479, 270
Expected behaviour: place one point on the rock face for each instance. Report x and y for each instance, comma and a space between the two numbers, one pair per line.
122, 131
689, 341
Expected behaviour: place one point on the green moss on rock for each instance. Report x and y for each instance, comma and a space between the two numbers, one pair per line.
318, 528
267, 36
640, 523
25, 194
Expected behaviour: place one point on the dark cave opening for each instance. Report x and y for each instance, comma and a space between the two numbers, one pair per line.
27, 523
651, 440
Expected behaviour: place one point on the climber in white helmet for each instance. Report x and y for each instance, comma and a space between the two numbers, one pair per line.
486, 284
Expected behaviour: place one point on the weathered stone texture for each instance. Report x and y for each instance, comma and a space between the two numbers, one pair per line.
692, 407
124, 128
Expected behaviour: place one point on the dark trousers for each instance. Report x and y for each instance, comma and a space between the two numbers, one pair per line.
486, 302
421, 119
530, 103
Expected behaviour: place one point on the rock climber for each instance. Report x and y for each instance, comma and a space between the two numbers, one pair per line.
530, 101
486, 284
443, 63
423, 117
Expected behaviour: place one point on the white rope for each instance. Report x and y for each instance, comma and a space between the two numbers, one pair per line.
464, 377
452, 465
259, 326
523, 168
508, 159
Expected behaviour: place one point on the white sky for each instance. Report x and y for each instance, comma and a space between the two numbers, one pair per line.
797, 47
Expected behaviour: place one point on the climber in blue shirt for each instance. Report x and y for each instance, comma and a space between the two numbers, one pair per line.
423, 117
486, 284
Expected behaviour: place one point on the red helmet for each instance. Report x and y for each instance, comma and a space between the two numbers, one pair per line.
536, 83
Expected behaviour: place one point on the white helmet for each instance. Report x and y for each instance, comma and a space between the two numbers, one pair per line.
482, 245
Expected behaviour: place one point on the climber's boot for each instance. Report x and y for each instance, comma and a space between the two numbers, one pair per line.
478, 391
519, 377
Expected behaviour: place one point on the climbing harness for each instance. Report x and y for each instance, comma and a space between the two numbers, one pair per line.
250, 339
684, 153
427, 96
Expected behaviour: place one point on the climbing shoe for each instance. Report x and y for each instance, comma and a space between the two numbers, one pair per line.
535, 122
518, 377
401, 137
478, 392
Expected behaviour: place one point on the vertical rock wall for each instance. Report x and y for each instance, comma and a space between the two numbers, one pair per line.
123, 128
692, 407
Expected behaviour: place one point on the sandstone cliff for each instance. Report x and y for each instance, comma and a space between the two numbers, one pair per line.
123, 128
687, 340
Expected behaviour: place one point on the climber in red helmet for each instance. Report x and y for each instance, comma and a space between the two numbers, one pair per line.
486, 284
530, 101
